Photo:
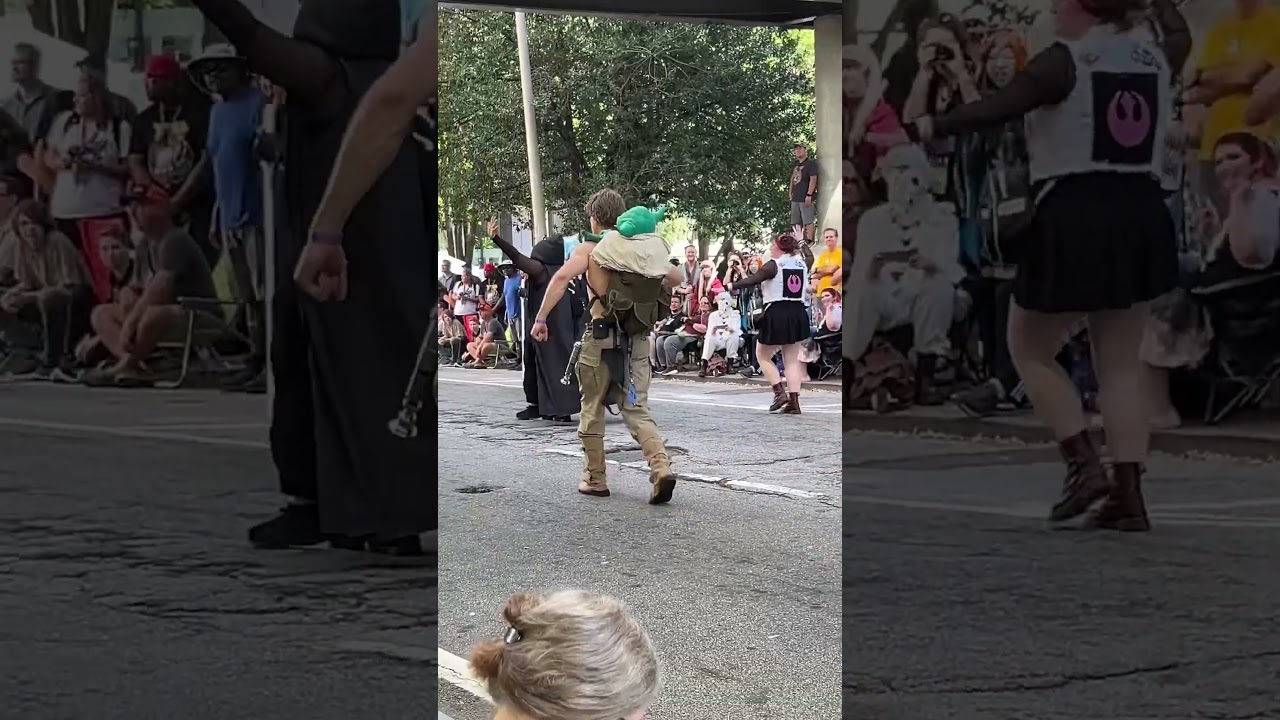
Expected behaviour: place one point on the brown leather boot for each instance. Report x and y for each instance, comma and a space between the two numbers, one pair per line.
779, 397
592, 482
1086, 481
793, 404
1124, 509
662, 481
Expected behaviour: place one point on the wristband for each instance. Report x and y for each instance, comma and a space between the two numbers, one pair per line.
325, 237
539, 321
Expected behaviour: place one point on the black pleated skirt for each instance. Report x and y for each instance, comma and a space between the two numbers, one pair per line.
1098, 241
784, 322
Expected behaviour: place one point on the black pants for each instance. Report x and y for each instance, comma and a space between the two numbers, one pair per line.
991, 299
530, 373
293, 441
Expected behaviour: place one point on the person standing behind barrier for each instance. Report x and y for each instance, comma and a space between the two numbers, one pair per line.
785, 323
569, 655
237, 181
1102, 243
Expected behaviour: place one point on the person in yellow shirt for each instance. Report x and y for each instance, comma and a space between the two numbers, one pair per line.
1239, 50
828, 269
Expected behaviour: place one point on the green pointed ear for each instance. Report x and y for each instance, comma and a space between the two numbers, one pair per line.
591, 237
658, 216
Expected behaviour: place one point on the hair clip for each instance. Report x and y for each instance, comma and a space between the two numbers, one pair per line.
512, 635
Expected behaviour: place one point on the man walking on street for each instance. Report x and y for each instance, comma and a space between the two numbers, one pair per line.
628, 283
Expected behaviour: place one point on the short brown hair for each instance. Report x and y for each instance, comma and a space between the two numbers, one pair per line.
605, 206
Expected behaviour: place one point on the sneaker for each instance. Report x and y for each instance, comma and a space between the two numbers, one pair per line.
981, 400
295, 526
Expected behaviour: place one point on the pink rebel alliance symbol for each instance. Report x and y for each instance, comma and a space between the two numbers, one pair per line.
793, 283
1129, 118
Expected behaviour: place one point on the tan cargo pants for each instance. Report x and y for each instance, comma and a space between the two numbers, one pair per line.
596, 384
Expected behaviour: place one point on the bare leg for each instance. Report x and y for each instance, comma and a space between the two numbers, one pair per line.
155, 323
1123, 381
1034, 341
795, 368
1126, 412
765, 353
106, 321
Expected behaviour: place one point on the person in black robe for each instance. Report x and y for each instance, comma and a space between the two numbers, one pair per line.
340, 367
545, 362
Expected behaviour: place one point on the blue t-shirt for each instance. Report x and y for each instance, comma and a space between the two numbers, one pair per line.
233, 130
511, 296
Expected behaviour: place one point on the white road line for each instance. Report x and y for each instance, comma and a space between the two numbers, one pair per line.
1158, 515
741, 485
128, 433
457, 672
817, 409
168, 427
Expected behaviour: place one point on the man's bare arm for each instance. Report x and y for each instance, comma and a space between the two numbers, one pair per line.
674, 278
573, 267
379, 127
1264, 103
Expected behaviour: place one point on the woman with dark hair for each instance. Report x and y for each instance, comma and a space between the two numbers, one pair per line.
785, 322
1101, 243
545, 362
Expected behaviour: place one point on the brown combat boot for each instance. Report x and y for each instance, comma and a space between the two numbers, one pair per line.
661, 480
793, 404
779, 397
1124, 509
1086, 481
592, 481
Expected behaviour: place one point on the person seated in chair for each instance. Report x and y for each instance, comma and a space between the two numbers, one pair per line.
169, 265
488, 340
724, 332
832, 312
49, 282
117, 258
906, 269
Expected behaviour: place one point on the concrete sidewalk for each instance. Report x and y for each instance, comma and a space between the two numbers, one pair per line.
1254, 435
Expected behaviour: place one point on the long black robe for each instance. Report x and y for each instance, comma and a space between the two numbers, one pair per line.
340, 368
545, 362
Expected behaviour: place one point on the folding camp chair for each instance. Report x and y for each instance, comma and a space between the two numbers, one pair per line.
1244, 363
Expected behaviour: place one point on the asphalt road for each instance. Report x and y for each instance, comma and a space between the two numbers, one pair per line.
739, 589
127, 589
960, 604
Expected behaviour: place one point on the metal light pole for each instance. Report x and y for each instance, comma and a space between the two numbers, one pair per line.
531, 130
531, 143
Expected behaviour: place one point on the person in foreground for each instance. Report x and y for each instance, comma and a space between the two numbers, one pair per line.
569, 655
340, 367
629, 281
1102, 242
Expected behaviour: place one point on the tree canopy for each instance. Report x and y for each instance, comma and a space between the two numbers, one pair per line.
701, 117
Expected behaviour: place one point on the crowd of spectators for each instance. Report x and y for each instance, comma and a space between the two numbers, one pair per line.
706, 330
936, 227
123, 232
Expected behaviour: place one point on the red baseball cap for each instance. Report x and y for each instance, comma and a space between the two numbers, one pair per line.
489, 267
162, 67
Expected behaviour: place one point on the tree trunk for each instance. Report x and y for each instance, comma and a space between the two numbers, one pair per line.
69, 27
97, 26
41, 15
726, 247
849, 14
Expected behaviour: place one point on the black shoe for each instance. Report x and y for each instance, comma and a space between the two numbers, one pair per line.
408, 546
529, 413
295, 526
